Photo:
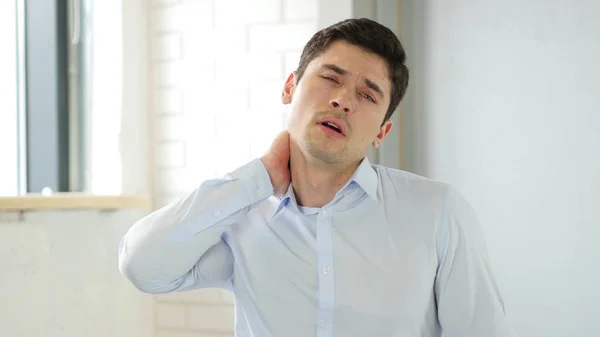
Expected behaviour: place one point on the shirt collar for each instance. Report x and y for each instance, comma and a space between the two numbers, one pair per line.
364, 176
284, 200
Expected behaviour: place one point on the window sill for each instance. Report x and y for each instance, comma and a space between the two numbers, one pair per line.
74, 201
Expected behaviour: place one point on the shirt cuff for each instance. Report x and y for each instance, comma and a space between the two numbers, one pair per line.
256, 179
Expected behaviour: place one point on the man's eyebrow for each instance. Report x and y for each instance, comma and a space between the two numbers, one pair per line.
374, 87
368, 82
335, 68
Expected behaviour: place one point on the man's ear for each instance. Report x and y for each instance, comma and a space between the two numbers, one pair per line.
383, 131
288, 89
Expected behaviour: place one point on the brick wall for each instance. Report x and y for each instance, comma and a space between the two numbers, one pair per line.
217, 71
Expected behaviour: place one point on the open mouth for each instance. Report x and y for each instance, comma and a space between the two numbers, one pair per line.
332, 127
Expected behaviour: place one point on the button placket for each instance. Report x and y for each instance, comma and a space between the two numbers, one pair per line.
326, 273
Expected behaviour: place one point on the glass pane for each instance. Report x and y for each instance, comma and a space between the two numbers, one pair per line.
95, 96
9, 163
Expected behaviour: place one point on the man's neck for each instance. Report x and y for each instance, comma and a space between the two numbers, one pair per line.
316, 184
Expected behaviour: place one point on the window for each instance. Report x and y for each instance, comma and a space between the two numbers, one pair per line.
60, 100
96, 52
10, 91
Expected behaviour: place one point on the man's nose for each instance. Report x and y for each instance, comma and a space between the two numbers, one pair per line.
340, 103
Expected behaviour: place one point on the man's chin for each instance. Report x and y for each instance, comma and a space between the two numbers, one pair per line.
323, 152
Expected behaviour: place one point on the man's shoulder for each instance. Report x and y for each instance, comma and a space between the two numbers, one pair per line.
398, 173
409, 183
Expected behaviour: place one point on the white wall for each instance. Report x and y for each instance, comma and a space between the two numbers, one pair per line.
134, 141
504, 102
215, 64
60, 278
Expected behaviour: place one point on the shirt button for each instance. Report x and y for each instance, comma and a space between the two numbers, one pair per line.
217, 213
326, 270
325, 324
325, 213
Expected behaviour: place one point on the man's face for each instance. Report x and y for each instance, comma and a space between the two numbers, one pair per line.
338, 105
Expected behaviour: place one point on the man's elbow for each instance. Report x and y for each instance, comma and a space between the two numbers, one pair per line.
141, 282
135, 270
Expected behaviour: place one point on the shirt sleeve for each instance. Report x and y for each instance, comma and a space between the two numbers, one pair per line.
469, 301
181, 246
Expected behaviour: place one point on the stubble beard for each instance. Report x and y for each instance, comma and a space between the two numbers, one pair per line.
322, 149
328, 156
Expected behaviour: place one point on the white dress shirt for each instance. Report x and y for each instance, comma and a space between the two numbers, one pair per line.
394, 254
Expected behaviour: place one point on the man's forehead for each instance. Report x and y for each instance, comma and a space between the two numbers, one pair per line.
353, 59
357, 62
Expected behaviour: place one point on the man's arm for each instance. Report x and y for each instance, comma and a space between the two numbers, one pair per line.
180, 246
469, 302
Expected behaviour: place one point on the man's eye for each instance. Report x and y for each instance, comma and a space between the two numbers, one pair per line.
330, 79
369, 97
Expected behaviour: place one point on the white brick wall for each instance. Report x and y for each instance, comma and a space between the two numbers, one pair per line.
217, 70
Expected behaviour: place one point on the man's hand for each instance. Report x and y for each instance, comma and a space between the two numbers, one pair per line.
276, 160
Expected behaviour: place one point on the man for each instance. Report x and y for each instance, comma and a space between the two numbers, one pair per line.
311, 238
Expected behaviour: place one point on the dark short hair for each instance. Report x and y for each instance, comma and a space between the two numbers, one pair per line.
371, 36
